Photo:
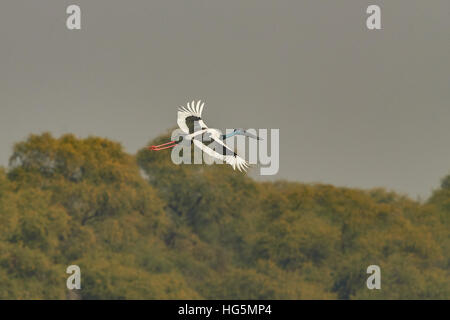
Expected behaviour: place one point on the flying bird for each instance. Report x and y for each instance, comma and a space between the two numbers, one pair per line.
191, 123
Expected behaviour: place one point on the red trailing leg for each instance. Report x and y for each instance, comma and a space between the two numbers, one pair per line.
163, 146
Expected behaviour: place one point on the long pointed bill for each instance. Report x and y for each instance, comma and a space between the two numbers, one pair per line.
251, 135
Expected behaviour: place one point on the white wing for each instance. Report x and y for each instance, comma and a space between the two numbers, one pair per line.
228, 155
189, 117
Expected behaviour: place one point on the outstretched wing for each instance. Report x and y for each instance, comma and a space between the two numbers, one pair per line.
219, 150
190, 117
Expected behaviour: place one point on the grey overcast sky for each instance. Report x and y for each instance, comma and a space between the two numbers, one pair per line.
354, 107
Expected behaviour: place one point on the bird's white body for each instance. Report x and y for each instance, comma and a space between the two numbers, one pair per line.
189, 120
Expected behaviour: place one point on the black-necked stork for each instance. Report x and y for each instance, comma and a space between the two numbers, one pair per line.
191, 123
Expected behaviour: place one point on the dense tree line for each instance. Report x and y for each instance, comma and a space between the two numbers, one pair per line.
141, 227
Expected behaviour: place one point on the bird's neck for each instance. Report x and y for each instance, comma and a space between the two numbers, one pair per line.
229, 135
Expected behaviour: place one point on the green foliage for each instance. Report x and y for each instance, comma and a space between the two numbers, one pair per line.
141, 227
